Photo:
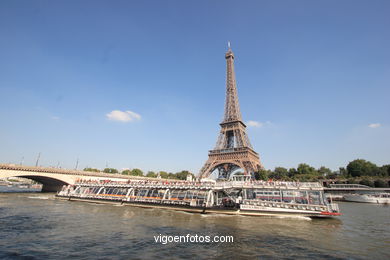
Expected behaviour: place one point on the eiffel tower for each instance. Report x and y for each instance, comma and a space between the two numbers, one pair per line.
233, 152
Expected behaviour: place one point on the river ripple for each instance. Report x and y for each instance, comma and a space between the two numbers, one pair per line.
38, 226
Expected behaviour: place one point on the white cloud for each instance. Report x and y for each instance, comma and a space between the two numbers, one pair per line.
55, 117
254, 123
123, 116
376, 125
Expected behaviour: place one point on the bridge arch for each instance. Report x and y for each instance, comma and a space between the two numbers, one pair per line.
51, 182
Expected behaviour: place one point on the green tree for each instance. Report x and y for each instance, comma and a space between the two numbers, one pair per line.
352, 181
151, 174
126, 172
381, 183
384, 170
183, 175
110, 170
367, 182
333, 175
323, 171
292, 172
280, 173
304, 168
343, 172
172, 176
305, 177
387, 168
136, 172
163, 175
360, 167
262, 174
91, 170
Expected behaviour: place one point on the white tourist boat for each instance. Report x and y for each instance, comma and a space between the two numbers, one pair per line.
233, 197
379, 198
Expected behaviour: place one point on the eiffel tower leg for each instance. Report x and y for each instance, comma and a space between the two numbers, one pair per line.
205, 171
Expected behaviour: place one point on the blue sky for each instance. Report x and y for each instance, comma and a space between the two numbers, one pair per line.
315, 75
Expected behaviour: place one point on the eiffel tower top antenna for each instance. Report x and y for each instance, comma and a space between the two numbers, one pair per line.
232, 106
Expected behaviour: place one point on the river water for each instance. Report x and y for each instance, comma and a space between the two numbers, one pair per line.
38, 226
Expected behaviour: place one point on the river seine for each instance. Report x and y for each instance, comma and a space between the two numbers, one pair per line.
38, 226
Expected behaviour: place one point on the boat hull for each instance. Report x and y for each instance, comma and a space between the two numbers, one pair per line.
263, 211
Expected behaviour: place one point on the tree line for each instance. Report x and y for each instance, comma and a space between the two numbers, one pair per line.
358, 171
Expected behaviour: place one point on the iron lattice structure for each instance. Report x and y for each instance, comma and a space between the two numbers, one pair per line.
233, 150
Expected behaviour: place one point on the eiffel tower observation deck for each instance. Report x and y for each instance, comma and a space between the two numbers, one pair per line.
233, 153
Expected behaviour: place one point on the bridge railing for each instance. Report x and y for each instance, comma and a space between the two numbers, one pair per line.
69, 172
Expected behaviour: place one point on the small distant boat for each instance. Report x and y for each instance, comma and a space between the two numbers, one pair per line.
379, 198
36, 186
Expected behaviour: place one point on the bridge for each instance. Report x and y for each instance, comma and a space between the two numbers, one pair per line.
54, 178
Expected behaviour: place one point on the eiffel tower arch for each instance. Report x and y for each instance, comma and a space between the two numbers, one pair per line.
233, 152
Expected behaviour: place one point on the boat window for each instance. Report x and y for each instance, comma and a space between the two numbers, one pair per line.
181, 195
188, 194
250, 194
95, 190
288, 196
141, 193
201, 195
154, 194
314, 197
175, 194
161, 193
269, 195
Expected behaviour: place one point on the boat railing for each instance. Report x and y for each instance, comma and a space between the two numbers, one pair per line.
157, 185
121, 197
348, 186
266, 184
61, 193
333, 207
207, 185
171, 201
